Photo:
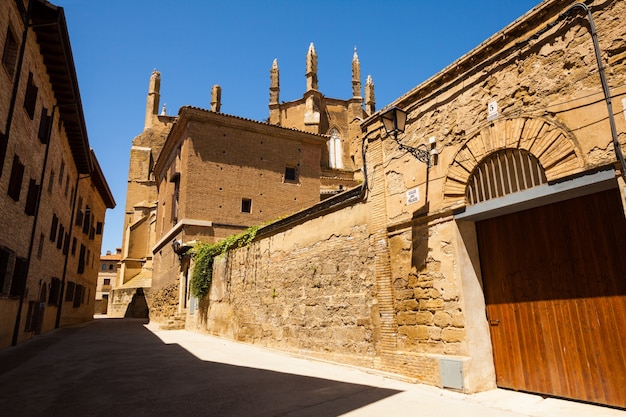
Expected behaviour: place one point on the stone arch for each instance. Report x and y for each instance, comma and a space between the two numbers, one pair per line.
553, 146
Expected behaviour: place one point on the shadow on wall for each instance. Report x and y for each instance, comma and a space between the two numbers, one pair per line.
138, 307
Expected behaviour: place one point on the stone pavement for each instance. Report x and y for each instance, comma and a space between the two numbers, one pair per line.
123, 367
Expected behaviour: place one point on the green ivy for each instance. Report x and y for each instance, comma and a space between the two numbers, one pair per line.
204, 255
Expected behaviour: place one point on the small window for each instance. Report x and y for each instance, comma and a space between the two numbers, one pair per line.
61, 172
55, 291
9, 55
53, 228
51, 182
44, 126
40, 247
60, 237
15, 183
99, 228
110, 267
31, 198
74, 246
19, 277
107, 281
30, 99
66, 244
69, 293
104, 267
291, 174
5, 255
246, 205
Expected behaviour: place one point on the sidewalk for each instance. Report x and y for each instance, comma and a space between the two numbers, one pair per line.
114, 367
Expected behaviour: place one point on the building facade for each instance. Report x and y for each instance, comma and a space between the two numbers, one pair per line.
266, 170
485, 248
106, 279
53, 194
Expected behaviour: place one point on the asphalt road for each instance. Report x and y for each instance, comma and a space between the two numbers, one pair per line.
115, 367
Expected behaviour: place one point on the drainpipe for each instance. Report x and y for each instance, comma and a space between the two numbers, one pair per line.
605, 86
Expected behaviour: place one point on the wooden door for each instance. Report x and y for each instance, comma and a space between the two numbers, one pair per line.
555, 286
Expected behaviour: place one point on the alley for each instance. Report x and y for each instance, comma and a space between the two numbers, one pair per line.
118, 367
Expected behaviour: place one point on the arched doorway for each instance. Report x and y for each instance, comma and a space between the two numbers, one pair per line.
553, 283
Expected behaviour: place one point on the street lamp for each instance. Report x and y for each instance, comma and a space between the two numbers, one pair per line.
394, 121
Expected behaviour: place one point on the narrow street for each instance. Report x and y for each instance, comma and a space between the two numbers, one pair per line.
115, 367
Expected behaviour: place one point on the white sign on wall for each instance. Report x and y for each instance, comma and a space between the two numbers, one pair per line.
412, 196
492, 110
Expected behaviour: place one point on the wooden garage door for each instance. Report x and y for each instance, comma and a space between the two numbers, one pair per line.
555, 287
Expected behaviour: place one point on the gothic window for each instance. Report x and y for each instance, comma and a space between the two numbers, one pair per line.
335, 154
504, 172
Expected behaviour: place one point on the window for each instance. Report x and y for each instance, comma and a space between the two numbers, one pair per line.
53, 228
60, 237
19, 277
15, 183
99, 228
86, 220
335, 153
9, 55
40, 247
104, 267
61, 172
67, 185
69, 293
291, 174
78, 295
81, 259
5, 257
246, 205
51, 181
31, 198
30, 99
44, 126
110, 267
74, 246
55, 291
31, 316
66, 244
107, 281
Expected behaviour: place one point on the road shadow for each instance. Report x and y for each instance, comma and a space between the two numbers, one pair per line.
120, 368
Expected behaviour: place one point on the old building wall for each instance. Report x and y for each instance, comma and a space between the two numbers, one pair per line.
310, 289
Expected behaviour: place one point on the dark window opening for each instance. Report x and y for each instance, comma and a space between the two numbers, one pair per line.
99, 226
78, 295
9, 55
30, 99
74, 246
55, 291
110, 267
86, 220
66, 244
61, 172
5, 256
69, 293
81, 259
53, 228
291, 174
15, 182
40, 247
19, 277
31, 198
51, 181
246, 205
107, 281
44, 126
60, 237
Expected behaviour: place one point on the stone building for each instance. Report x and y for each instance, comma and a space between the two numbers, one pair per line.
53, 195
303, 153
484, 247
106, 279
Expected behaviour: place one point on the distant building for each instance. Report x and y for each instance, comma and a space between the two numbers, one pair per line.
204, 175
106, 279
53, 194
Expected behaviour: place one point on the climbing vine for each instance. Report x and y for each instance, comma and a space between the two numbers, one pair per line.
204, 255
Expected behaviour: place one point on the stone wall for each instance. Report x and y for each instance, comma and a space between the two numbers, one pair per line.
310, 289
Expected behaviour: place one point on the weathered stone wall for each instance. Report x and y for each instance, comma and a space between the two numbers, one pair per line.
310, 289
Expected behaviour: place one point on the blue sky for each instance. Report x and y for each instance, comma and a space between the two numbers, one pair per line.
198, 43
